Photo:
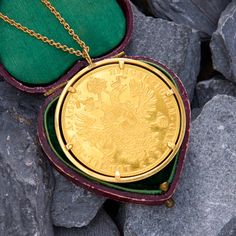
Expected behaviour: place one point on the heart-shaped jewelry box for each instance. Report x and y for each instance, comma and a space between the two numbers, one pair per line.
34, 67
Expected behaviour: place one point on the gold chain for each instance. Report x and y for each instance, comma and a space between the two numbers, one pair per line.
71, 32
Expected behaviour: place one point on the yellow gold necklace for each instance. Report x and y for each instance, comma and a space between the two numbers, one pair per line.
71, 32
118, 120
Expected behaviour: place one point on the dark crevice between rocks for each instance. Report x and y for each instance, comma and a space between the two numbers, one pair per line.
195, 102
112, 208
206, 69
143, 6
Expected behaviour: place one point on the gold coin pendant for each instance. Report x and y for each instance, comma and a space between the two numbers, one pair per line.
120, 120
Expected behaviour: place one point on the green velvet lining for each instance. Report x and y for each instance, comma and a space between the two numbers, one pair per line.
101, 24
146, 186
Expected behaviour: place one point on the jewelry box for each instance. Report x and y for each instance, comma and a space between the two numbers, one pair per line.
34, 67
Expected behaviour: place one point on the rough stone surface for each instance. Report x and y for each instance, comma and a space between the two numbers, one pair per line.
25, 180
206, 90
197, 14
229, 229
205, 200
101, 225
73, 206
223, 43
177, 46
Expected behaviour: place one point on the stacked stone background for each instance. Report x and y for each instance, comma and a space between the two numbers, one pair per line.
197, 40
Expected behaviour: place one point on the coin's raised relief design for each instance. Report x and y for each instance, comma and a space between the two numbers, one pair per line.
120, 120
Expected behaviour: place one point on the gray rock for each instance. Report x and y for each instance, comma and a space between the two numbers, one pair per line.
26, 182
177, 46
206, 90
229, 229
197, 14
205, 199
223, 43
101, 225
73, 206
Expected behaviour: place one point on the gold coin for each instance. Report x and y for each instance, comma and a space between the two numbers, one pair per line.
120, 120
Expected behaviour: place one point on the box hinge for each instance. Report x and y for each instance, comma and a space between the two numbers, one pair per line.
52, 90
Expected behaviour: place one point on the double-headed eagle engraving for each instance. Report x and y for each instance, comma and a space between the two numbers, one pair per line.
121, 122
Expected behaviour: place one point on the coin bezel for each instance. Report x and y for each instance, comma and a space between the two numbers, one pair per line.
121, 179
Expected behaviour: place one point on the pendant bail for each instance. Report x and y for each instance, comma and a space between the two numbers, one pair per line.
87, 57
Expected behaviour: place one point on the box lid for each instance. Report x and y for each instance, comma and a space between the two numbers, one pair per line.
37, 67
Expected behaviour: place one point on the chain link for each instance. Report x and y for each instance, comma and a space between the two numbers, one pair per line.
84, 53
